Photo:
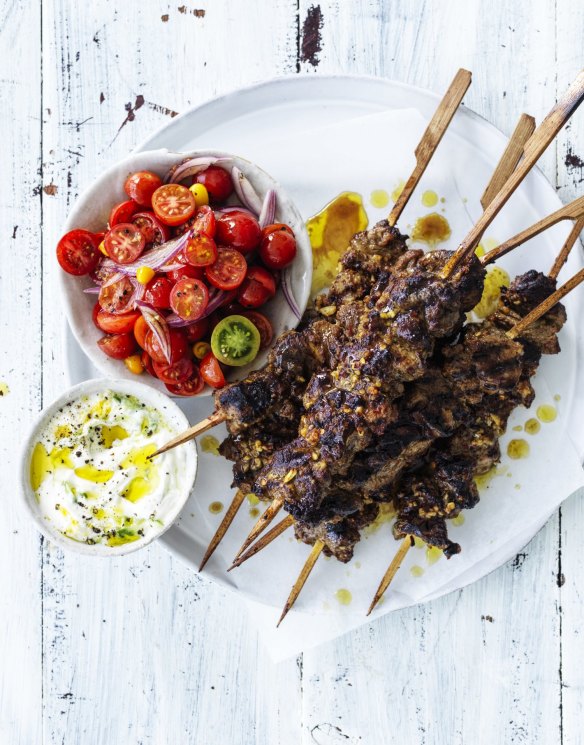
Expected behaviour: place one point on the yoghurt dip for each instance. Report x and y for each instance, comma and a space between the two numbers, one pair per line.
91, 474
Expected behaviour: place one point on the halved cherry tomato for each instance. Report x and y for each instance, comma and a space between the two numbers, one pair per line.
229, 271
201, 250
278, 249
124, 243
197, 330
78, 252
117, 346
154, 231
158, 292
190, 387
217, 182
173, 204
175, 373
189, 298
259, 286
140, 331
117, 323
148, 364
194, 272
239, 230
202, 222
123, 212
115, 297
178, 346
141, 186
94, 312
277, 226
263, 325
211, 371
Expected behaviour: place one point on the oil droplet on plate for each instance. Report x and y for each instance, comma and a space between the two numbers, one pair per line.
386, 514
495, 279
458, 520
433, 554
518, 428
210, 444
416, 571
418, 542
517, 449
484, 479
431, 229
330, 232
429, 198
357, 565
216, 507
379, 198
546, 413
396, 193
254, 512
343, 596
557, 397
4, 389
252, 499
532, 426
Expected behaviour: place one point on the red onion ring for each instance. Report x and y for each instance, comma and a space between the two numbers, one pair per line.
268, 211
157, 324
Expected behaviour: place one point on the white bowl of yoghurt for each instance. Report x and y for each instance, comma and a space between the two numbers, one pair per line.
87, 477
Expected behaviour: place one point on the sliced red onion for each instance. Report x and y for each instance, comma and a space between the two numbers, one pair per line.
235, 208
171, 267
155, 258
191, 167
115, 277
92, 290
245, 191
138, 294
215, 301
287, 290
268, 211
157, 324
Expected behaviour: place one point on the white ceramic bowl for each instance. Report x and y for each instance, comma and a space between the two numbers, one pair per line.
91, 211
175, 418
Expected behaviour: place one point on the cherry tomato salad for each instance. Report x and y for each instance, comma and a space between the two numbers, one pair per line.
180, 275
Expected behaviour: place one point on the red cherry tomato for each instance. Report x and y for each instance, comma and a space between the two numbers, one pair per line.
141, 186
155, 233
229, 271
158, 292
78, 252
123, 212
189, 298
277, 226
115, 297
173, 204
201, 250
175, 373
124, 243
147, 363
239, 230
120, 323
190, 387
94, 312
259, 286
278, 249
205, 221
211, 371
178, 346
197, 330
117, 346
263, 326
140, 331
217, 182
194, 272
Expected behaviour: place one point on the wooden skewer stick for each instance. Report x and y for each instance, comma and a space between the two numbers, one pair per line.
510, 158
302, 577
391, 571
432, 137
572, 211
535, 146
236, 503
189, 434
263, 521
547, 304
264, 541
566, 248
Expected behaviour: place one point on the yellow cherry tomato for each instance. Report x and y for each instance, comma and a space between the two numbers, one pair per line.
200, 193
144, 274
201, 349
134, 364
102, 248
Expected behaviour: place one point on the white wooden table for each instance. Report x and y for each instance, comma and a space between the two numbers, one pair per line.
142, 650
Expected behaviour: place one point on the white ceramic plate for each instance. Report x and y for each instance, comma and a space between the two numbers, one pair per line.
241, 122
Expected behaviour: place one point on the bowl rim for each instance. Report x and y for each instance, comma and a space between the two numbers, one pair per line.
145, 393
301, 288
